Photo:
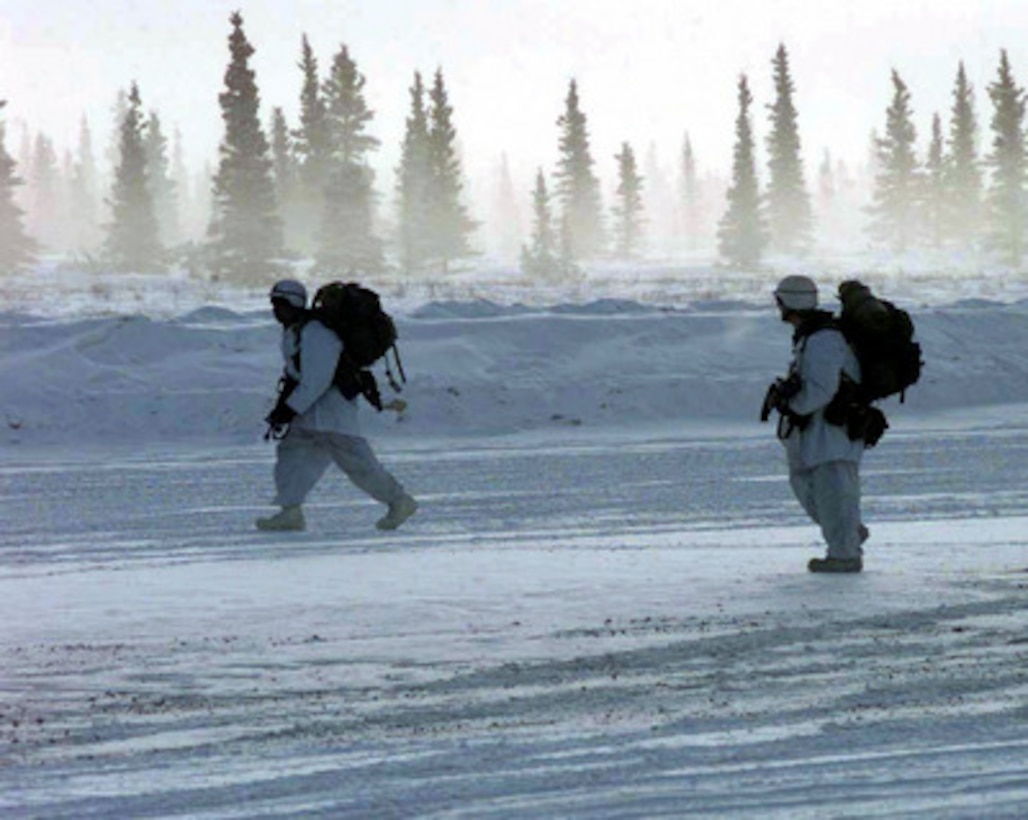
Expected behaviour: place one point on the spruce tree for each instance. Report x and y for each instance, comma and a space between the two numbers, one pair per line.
934, 195
897, 183
347, 243
285, 172
629, 207
539, 259
44, 184
191, 225
451, 227
741, 234
691, 196
84, 194
826, 188
133, 240
787, 202
962, 201
506, 215
1006, 193
245, 231
17, 249
159, 181
659, 203
578, 189
313, 150
112, 152
414, 185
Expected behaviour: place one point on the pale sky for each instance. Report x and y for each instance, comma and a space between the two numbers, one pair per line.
648, 70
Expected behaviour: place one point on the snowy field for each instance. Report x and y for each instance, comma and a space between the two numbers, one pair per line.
601, 610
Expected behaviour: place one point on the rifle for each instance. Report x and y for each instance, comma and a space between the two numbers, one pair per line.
278, 426
778, 395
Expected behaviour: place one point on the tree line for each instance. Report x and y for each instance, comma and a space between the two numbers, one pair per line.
309, 191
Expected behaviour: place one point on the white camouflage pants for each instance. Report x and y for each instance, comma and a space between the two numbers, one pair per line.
304, 455
830, 493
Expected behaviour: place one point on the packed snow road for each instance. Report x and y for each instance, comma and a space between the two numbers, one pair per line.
573, 625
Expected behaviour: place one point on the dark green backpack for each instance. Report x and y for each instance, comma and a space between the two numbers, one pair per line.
368, 333
882, 337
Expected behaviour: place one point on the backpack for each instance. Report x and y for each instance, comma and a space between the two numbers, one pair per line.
882, 337
368, 333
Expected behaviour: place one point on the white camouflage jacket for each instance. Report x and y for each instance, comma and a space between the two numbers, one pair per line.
820, 359
319, 405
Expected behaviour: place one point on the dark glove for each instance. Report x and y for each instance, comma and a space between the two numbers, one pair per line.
281, 415
778, 395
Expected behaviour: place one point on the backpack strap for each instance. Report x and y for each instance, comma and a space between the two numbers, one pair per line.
399, 366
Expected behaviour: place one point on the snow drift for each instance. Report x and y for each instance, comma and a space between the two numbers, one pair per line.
474, 368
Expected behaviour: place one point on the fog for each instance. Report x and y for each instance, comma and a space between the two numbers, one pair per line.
648, 72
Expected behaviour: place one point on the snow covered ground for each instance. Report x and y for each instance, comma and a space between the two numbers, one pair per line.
601, 609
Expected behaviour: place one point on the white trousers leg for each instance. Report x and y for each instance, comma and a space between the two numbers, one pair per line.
301, 461
303, 456
354, 456
830, 494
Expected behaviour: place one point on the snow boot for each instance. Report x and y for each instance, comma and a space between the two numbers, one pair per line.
289, 520
830, 564
399, 511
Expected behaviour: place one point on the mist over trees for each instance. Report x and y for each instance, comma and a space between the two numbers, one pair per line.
1005, 199
347, 243
628, 208
245, 233
17, 249
578, 187
133, 241
433, 225
787, 203
961, 169
741, 234
283, 193
898, 184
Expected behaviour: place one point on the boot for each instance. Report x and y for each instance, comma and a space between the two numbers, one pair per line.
830, 564
290, 519
399, 511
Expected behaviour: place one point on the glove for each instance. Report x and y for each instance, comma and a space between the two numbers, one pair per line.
281, 415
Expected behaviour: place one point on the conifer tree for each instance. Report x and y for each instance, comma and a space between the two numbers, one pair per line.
659, 203
506, 215
451, 227
787, 202
742, 236
285, 172
112, 152
567, 264
44, 184
1006, 193
962, 201
691, 195
191, 222
83, 192
348, 244
629, 207
17, 248
826, 189
159, 181
313, 150
245, 231
578, 189
414, 185
897, 184
539, 259
934, 196
133, 240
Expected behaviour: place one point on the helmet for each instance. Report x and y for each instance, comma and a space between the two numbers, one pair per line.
291, 291
796, 293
